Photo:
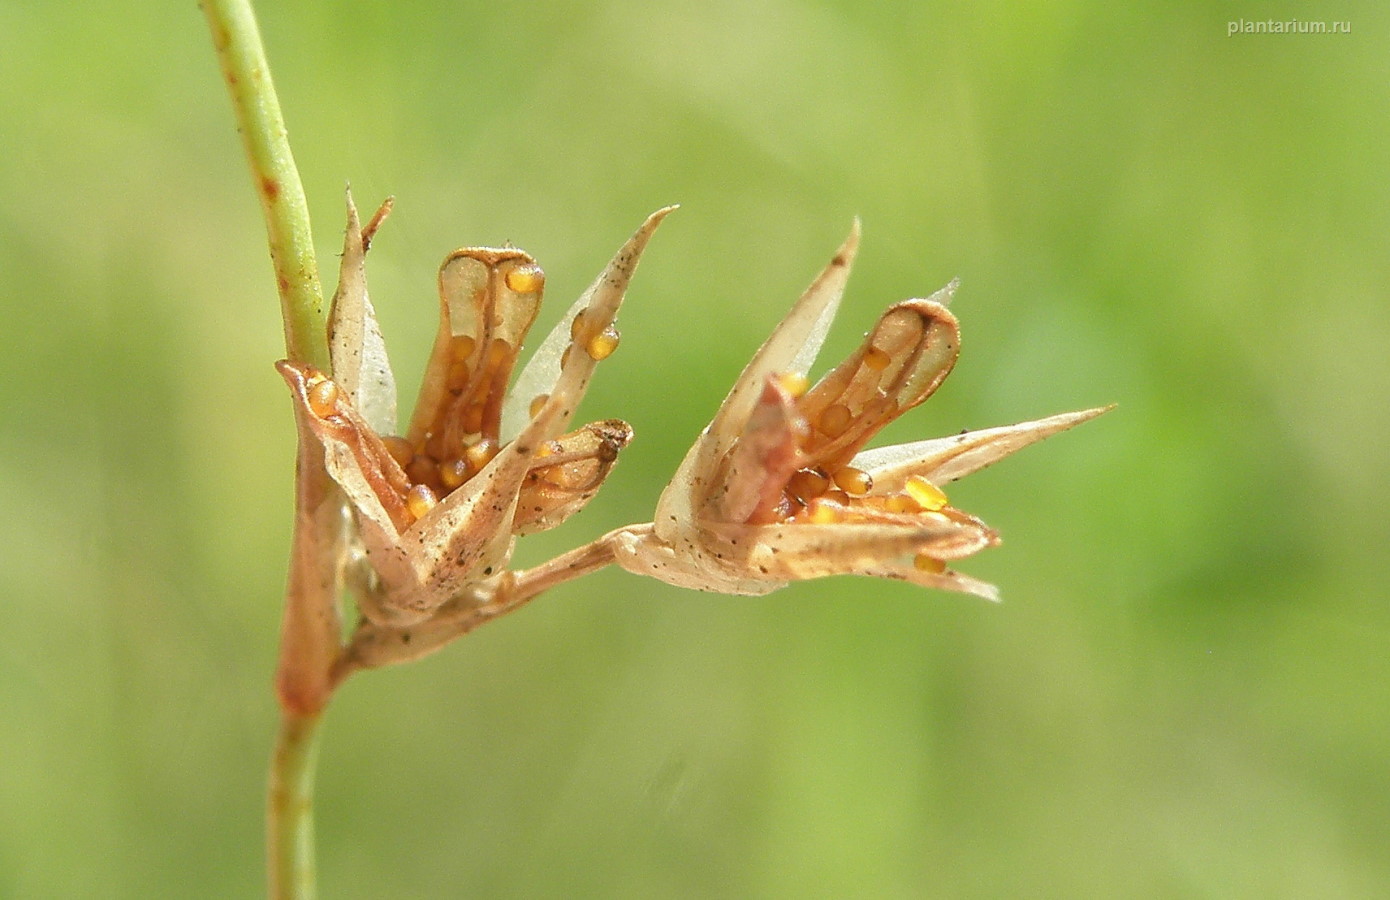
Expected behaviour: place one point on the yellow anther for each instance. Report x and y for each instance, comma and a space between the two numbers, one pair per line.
902, 503
577, 325
480, 454
452, 473
924, 563
853, 481
925, 493
400, 449
498, 351
537, 404
807, 484
557, 476
834, 421
794, 383
821, 513
876, 360
525, 279
458, 374
420, 500
602, 345
323, 397
463, 347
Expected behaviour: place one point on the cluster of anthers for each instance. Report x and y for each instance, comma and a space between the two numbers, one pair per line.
778, 488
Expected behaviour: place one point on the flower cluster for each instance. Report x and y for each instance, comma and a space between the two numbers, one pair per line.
780, 487
436, 509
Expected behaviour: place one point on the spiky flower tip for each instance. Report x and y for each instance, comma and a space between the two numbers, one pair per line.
779, 487
435, 509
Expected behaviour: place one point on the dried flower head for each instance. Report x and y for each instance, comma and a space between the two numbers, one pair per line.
437, 508
779, 488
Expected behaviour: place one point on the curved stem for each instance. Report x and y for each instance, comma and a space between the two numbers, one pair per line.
290, 811
237, 40
580, 561
309, 641
377, 644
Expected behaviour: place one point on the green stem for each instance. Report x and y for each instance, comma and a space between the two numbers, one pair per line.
290, 813
309, 642
237, 40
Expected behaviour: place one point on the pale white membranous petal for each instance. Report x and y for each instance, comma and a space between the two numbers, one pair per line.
792, 347
778, 488
588, 326
947, 459
356, 347
437, 509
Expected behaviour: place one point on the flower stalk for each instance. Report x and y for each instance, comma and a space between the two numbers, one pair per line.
290, 812
237, 40
309, 632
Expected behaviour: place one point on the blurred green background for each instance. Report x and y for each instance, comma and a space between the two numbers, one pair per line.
1186, 692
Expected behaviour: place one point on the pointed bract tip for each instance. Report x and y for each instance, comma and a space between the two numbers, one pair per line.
946, 294
850, 248
296, 374
655, 218
1085, 415
290, 371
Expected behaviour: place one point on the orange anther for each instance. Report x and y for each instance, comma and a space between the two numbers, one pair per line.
794, 383
480, 454
602, 345
834, 421
876, 360
498, 352
924, 492
902, 503
420, 500
323, 398
853, 481
525, 279
457, 378
463, 347
821, 513
924, 563
807, 484
577, 325
452, 473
